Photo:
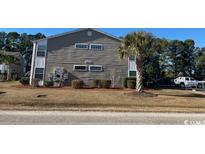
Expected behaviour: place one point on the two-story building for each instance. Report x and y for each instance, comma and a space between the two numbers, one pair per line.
84, 54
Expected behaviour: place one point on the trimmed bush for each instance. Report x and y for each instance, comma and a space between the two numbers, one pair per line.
24, 80
131, 84
124, 82
95, 83
48, 83
77, 84
105, 83
127, 79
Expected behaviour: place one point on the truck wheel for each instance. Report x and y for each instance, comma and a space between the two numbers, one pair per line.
199, 86
182, 85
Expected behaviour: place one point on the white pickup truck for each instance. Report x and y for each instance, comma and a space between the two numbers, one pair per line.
189, 82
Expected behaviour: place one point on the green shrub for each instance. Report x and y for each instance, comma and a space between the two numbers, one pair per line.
77, 84
127, 79
124, 82
105, 83
14, 76
131, 84
95, 83
48, 83
24, 80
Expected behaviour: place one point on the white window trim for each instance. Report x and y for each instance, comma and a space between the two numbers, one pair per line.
95, 66
82, 44
129, 64
41, 51
96, 49
128, 71
80, 70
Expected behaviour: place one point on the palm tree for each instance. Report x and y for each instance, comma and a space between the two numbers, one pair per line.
8, 60
138, 45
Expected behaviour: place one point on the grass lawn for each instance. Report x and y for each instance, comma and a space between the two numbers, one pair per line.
14, 96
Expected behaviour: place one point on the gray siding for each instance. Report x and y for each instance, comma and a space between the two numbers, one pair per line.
61, 52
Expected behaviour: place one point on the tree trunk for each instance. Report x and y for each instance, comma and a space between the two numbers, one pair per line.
139, 80
8, 73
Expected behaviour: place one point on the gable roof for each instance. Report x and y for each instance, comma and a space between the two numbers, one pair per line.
78, 30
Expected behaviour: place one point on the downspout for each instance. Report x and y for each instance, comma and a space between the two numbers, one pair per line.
33, 63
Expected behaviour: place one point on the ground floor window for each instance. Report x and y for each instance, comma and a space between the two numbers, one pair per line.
80, 68
132, 73
39, 73
95, 68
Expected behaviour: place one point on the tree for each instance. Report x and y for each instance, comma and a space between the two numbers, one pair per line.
15, 42
188, 56
8, 60
137, 44
200, 64
152, 62
181, 57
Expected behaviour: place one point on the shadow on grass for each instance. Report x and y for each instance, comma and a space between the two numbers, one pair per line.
142, 94
185, 95
2, 92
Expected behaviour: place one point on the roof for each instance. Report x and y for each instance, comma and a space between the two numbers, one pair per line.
78, 30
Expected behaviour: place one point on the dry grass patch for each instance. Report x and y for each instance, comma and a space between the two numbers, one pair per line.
67, 98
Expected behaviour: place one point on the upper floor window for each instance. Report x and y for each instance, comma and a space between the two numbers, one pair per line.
41, 51
81, 46
132, 58
96, 46
80, 68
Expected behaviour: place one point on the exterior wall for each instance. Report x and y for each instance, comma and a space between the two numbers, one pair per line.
61, 52
38, 62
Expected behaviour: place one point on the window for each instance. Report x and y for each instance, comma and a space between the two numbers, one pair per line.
96, 47
132, 58
39, 73
95, 68
187, 79
41, 52
80, 68
81, 46
192, 79
132, 73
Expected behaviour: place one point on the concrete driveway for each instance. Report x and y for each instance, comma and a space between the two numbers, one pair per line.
84, 118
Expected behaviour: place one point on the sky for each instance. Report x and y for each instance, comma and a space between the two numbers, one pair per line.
197, 34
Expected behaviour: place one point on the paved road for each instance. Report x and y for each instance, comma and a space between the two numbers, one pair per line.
68, 117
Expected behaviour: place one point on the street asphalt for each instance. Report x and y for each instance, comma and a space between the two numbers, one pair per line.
98, 118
